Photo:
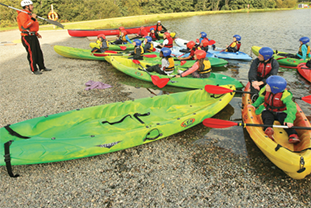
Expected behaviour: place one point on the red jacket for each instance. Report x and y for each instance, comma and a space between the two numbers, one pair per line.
26, 23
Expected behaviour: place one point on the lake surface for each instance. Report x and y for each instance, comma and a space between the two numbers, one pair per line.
279, 30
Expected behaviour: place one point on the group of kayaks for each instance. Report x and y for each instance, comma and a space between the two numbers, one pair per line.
116, 126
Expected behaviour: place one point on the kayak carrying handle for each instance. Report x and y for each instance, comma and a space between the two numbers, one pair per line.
122, 119
151, 139
7, 159
136, 115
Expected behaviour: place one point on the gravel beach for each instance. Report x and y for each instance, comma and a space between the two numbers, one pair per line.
183, 170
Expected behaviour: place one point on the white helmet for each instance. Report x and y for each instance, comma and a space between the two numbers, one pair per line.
26, 3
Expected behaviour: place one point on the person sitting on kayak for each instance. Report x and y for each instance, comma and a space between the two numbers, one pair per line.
142, 32
261, 68
123, 38
168, 41
235, 45
148, 45
304, 49
203, 36
167, 67
201, 68
153, 34
160, 28
191, 48
138, 50
101, 44
204, 44
277, 105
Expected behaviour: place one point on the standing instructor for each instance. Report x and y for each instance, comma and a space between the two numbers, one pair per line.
29, 26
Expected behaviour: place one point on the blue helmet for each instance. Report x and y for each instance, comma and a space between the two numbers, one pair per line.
166, 52
138, 42
149, 39
276, 83
266, 52
151, 29
237, 37
203, 35
304, 40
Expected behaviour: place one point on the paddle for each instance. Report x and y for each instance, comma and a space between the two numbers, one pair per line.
120, 54
218, 124
123, 48
49, 21
222, 90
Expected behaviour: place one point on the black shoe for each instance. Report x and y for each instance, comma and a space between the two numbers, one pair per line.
46, 69
37, 72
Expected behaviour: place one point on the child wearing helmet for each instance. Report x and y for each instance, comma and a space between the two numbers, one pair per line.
160, 28
101, 44
203, 37
138, 50
148, 48
191, 48
235, 45
204, 45
168, 41
201, 68
153, 34
122, 37
142, 32
261, 68
304, 49
275, 103
167, 67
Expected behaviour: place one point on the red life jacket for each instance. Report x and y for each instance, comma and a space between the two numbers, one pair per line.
238, 44
159, 28
192, 52
170, 43
273, 102
263, 69
153, 36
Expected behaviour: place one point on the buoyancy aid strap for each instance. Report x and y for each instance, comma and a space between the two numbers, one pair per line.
7, 159
14, 133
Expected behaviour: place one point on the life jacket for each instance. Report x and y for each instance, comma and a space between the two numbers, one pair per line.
203, 48
192, 52
171, 66
105, 44
150, 49
205, 68
273, 102
308, 50
233, 45
264, 68
141, 50
159, 28
170, 43
238, 45
153, 36
26, 24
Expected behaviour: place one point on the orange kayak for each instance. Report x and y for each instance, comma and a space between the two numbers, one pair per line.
294, 160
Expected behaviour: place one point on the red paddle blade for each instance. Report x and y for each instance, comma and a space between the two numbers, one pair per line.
111, 52
150, 55
218, 123
100, 54
216, 89
155, 79
162, 82
154, 49
211, 42
135, 61
123, 48
198, 41
281, 58
182, 62
307, 99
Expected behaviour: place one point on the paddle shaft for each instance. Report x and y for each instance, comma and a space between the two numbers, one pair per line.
274, 126
237, 91
50, 21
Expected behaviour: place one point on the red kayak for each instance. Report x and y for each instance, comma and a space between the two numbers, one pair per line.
304, 71
107, 32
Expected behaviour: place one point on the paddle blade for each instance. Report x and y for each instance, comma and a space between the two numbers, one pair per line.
211, 42
307, 99
155, 79
154, 50
198, 41
123, 48
100, 54
111, 52
183, 62
162, 82
135, 61
218, 123
150, 55
216, 89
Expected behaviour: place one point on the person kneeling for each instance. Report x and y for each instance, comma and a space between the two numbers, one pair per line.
167, 67
138, 50
101, 44
277, 105
201, 68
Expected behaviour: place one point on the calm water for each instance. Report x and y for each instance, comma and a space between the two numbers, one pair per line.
279, 30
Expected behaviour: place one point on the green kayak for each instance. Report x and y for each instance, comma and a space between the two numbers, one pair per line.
106, 128
283, 61
77, 53
128, 67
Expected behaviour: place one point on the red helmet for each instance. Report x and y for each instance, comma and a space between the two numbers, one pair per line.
167, 34
101, 36
121, 28
200, 54
124, 32
205, 42
190, 44
142, 27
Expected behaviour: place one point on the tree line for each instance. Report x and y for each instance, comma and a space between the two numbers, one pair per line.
80, 10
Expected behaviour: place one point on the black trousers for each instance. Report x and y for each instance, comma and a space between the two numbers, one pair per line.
35, 55
268, 118
155, 68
